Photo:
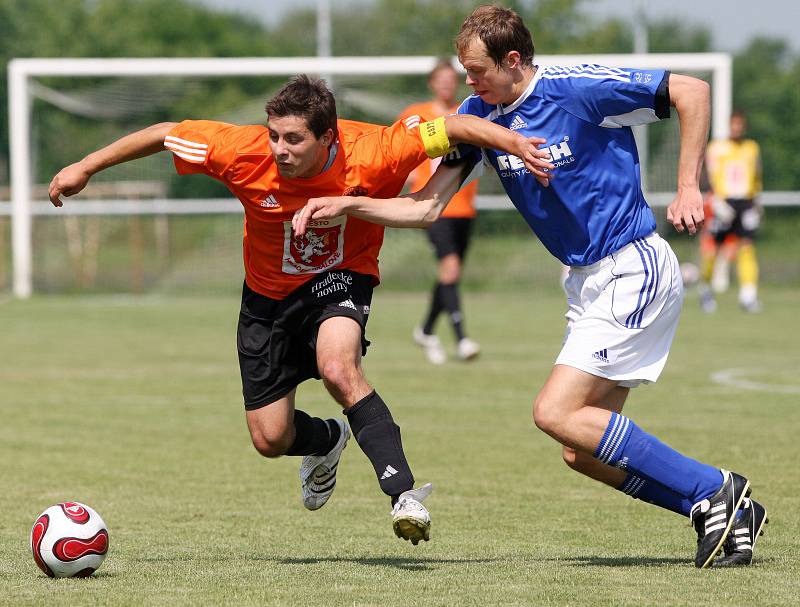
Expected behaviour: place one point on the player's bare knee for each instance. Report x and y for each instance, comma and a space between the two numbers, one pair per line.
450, 276
545, 415
338, 376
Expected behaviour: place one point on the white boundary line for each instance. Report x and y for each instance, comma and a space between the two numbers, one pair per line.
735, 378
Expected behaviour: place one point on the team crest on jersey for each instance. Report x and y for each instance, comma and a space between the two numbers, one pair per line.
319, 249
356, 190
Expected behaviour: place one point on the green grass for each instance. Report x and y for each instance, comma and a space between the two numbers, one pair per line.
133, 406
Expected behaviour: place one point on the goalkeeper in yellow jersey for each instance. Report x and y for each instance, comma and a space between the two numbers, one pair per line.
734, 173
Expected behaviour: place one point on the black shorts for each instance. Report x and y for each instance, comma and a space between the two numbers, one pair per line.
450, 235
744, 222
277, 339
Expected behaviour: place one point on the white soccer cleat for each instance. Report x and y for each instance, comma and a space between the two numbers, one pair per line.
432, 346
410, 519
468, 349
318, 472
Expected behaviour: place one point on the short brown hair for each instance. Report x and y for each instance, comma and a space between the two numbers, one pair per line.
308, 98
500, 29
442, 63
739, 113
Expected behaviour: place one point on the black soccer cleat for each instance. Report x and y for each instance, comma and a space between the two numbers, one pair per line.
713, 518
741, 540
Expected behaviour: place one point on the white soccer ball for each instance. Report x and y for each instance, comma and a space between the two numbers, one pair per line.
690, 274
69, 540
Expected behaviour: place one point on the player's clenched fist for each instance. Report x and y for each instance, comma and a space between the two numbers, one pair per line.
686, 211
69, 181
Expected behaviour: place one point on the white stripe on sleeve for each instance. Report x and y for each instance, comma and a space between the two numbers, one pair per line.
189, 157
187, 143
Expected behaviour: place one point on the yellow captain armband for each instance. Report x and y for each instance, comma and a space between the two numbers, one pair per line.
434, 138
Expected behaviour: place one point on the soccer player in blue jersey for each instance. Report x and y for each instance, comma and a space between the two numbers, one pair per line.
624, 289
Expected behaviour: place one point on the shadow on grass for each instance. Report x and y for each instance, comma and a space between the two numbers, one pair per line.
643, 561
624, 561
406, 563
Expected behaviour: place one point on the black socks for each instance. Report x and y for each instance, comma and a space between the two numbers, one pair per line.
448, 295
445, 297
313, 436
379, 438
434, 311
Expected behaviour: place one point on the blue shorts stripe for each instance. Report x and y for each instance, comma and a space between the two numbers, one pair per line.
630, 321
654, 279
649, 286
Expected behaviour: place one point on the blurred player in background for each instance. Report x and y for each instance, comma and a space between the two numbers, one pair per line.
713, 274
734, 173
450, 234
306, 298
624, 287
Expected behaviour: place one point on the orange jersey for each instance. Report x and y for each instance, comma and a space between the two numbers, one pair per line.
371, 161
463, 203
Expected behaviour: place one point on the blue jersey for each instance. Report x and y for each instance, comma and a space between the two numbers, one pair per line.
594, 206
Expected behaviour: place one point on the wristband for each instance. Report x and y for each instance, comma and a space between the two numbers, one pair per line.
434, 138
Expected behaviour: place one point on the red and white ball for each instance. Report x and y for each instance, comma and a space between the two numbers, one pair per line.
69, 540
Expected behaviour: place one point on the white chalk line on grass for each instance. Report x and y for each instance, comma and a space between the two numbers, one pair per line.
737, 378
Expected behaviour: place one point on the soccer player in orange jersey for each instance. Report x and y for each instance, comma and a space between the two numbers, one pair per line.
306, 297
450, 234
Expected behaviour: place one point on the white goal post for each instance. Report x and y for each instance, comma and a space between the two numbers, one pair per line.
22, 71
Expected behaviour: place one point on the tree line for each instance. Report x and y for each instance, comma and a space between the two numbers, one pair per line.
766, 72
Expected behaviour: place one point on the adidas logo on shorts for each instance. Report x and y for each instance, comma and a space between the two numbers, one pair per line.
601, 355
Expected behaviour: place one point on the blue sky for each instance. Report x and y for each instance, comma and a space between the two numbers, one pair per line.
732, 23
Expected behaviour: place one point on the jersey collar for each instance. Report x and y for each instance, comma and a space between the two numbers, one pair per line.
334, 149
505, 109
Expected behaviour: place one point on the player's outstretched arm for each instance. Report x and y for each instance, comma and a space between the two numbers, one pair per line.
692, 99
72, 179
465, 128
414, 210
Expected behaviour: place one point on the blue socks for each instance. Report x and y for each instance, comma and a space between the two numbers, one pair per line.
668, 476
656, 494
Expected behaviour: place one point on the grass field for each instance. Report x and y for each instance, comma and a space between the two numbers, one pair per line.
133, 406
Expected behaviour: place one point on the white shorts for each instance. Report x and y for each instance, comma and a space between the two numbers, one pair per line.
623, 313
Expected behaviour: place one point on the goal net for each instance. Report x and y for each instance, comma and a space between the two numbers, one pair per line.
138, 227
